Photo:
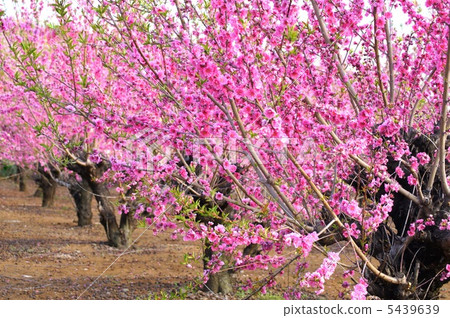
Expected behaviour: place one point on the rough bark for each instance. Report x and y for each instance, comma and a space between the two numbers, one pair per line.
107, 215
22, 184
46, 181
48, 194
118, 235
127, 226
220, 282
128, 222
80, 192
38, 193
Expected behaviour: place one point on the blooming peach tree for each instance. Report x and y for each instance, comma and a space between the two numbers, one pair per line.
263, 128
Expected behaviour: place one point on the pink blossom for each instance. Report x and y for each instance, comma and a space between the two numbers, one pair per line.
307, 243
399, 172
351, 230
212, 237
122, 209
232, 134
412, 229
354, 210
70, 109
429, 221
191, 235
202, 161
412, 180
99, 125
420, 227
269, 113
183, 173
228, 166
445, 224
222, 80
389, 127
317, 279
219, 196
423, 158
303, 242
446, 273
220, 228
414, 163
360, 290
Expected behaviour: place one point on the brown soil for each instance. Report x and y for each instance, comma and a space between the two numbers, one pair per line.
45, 255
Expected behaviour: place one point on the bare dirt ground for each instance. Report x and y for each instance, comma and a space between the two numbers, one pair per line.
45, 255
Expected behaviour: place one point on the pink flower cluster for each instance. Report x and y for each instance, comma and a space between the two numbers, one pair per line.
445, 224
323, 273
389, 127
446, 273
304, 242
351, 230
352, 209
360, 290
420, 225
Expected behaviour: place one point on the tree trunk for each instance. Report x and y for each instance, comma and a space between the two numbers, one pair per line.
48, 193
15, 172
119, 235
46, 181
82, 197
22, 184
108, 216
219, 282
127, 226
38, 193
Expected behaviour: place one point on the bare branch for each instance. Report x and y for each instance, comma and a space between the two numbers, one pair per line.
390, 60
177, 4
444, 122
377, 58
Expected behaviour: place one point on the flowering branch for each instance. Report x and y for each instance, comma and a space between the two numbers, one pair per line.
439, 160
377, 58
342, 74
387, 278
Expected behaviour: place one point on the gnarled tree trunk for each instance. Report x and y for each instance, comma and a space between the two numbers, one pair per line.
46, 181
219, 282
22, 184
119, 235
48, 193
80, 192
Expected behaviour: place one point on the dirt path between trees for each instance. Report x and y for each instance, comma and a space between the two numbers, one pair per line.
45, 255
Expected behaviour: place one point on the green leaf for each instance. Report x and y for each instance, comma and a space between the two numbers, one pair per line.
292, 34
